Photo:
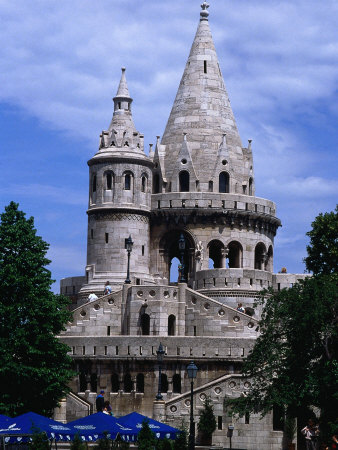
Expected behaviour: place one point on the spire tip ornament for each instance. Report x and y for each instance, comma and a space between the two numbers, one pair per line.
204, 13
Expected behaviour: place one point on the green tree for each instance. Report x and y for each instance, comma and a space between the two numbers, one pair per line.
164, 444
120, 444
39, 440
104, 443
323, 248
77, 443
146, 439
181, 442
294, 360
207, 421
34, 366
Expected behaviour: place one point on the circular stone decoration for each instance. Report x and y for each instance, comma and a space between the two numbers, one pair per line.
218, 390
206, 306
193, 300
166, 294
221, 312
203, 397
187, 403
247, 384
152, 293
236, 319
111, 301
250, 325
183, 161
83, 313
140, 293
173, 408
224, 162
96, 307
232, 384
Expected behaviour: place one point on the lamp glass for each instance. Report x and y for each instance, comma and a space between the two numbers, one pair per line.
192, 370
129, 244
181, 242
160, 352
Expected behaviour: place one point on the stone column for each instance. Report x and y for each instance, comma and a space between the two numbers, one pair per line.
159, 410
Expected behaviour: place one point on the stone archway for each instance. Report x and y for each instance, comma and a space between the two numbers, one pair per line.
169, 249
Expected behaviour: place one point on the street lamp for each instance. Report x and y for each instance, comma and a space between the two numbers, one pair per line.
129, 247
181, 247
192, 372
160, 352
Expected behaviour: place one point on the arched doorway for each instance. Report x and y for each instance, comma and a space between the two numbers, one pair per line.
235, 255
171, 255
145, 324
260, 256
171, 325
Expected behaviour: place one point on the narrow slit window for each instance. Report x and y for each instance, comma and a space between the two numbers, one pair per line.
108, 330
127, 182
92, 233
106, 236
109, 181
142, 250
205, 66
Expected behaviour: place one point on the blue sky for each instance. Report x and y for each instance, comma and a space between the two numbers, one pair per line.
60, 66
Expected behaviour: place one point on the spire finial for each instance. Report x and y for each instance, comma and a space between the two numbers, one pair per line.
204, 13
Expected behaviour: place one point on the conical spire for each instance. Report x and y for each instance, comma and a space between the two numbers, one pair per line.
201, 109
122, 90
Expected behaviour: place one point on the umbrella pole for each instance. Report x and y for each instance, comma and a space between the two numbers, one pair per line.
56, 446
3, 442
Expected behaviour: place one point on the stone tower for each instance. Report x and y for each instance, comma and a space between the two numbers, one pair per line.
120, 180
192, 199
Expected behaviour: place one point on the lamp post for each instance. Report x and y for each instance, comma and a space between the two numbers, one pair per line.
160, 352
129, 247
192, 372
181, 247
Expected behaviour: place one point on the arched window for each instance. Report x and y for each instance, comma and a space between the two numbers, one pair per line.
115, 382
145, 324
260, 255
177, 383
269, 260
216, 254
235, 255
127, 182
83, 381
109, 181
127, 383
94, 183
211, 186
156, 184
93, 382
184, 181
171, 325
224, 182
250, 186
164, 383
140, 382
143, 183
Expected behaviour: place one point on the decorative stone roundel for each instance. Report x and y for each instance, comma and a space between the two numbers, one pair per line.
250, 325
140, 293
96, 307
173, 408
206, 306
166, 294
232, 384
193, 300
247, 384
183, 161
111, 301
218, 390
224, 162
187, 403
203, 396
83, 313
221, 312
236, 319
152, 293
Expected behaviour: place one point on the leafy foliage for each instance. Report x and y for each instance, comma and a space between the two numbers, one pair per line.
207, 420
103, 444
39, 440
323, 249
120, 444
34, 366
77, 443
146, 439
181, 442
164, 444
294, 361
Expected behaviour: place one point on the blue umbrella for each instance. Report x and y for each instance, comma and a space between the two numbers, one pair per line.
21, 428
161, 430
97, 426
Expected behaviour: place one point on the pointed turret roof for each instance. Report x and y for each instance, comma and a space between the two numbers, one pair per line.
123, 91
201, 109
